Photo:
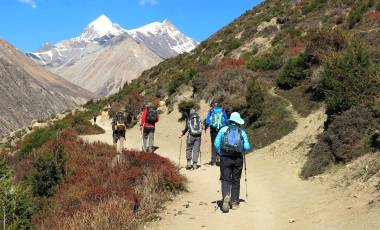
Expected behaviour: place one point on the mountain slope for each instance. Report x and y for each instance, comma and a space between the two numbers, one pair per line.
115, 55
105, 69
311, 52
29, 92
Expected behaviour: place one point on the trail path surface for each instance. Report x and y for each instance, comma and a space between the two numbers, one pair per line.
276, 193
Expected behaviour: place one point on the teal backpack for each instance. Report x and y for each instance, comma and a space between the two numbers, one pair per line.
216, 118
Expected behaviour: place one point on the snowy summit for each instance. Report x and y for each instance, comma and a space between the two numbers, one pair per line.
99, 28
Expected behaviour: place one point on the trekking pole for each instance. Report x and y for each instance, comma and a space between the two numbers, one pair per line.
218, 195
245, 175
180, 153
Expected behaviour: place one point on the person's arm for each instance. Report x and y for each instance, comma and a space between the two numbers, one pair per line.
186, 128
247, 145
225, 118
207, 120
143, 117
113, 124
218, 141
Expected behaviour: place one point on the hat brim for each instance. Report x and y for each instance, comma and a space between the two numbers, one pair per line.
238, 121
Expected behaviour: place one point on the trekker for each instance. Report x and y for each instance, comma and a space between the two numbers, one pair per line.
231, 144
216, 119
149, 119
193, 143
119, 127
94, 119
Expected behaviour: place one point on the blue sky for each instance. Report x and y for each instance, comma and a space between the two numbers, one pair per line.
29, 23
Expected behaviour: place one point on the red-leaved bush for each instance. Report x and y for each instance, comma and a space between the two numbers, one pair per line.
374, 15
103, 191
229, 63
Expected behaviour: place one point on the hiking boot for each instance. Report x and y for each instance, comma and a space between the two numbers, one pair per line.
226, 204
234, 206
217, 163
195, 166
188, 165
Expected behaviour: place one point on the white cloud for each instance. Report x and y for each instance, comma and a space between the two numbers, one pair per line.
32, 3
150, 2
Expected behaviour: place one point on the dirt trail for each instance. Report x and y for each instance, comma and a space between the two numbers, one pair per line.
276, 193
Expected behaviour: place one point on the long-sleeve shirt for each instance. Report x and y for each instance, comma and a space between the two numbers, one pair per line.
219, 139
143, 119
207, 120
184, 131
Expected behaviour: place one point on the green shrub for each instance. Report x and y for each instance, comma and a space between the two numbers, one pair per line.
234, 44
275, 122
78, 119
312, 5
267, 61
371, 3
36, 139
15, 201
294, 72
255, 100
349, 79
179, 80
343, 141
50, 170
357, 12
185, 106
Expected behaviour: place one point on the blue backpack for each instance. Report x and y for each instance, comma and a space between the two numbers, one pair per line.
217, 118
233, 143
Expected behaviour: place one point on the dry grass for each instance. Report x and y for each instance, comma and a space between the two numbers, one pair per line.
100, 194
275, 123
362, 174
300, 99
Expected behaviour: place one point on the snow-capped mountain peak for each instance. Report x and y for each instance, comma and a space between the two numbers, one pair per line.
155, 28
160, 40
157, 33
99, 28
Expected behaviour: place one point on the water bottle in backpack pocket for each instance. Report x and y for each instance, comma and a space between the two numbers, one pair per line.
233, 143
195, 125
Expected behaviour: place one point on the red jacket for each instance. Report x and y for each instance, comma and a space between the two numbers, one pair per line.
143, 118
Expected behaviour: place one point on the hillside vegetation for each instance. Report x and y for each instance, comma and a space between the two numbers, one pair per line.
312, 52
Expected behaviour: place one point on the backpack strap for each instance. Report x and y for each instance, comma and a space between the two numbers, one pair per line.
220, 119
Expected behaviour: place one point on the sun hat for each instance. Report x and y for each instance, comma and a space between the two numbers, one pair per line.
235, 117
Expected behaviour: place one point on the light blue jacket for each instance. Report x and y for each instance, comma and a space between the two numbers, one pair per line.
219, 139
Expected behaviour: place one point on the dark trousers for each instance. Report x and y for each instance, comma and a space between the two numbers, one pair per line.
118, 134
148, 138
230, 174
213, 134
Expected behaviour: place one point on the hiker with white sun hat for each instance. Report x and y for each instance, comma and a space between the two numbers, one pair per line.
231, 144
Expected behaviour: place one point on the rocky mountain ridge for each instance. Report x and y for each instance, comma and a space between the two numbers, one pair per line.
87, 61
29, 92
